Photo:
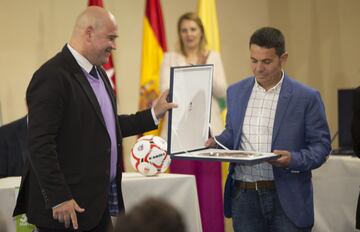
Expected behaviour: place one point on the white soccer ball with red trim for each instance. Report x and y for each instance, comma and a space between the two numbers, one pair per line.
148, 155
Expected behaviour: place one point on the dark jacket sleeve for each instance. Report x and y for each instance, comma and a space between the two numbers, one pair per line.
355, 128
133, 124
137, 123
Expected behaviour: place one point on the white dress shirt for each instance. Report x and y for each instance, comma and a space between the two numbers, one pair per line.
257, 131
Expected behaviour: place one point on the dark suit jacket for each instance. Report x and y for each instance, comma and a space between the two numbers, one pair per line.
69, 145
12, 148
355, 129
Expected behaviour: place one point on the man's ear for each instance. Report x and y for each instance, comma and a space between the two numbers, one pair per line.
283, 58
89, 33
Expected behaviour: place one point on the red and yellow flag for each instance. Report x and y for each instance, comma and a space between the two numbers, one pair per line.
154, 46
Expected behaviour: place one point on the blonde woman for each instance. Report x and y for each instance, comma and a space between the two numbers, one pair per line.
191, 51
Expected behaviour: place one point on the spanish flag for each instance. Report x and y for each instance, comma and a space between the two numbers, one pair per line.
153, 48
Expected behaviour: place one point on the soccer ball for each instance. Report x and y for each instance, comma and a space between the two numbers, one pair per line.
148, 155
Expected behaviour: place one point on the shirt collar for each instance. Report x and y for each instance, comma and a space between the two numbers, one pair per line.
80, 59
276, 87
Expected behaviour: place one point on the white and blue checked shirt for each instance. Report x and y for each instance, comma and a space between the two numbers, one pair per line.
257, 131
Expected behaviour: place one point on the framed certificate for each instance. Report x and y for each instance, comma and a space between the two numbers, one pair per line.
188, 128
190, 89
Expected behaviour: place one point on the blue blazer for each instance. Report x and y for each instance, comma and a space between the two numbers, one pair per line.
300, 127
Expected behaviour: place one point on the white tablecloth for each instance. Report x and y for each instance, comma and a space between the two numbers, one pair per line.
179, 190
8, 191
336, 189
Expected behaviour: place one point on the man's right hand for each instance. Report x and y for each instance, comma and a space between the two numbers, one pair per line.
162, 105
211, 143
66, 211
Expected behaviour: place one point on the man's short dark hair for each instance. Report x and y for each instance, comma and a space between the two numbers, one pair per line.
269, 37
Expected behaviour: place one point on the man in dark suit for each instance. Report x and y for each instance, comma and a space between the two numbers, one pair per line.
355, 129
73, 179
12, 148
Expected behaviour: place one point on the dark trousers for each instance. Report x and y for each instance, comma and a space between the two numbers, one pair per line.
259, 211
104, 225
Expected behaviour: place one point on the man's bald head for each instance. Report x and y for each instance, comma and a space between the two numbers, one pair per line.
92, 28
93, 16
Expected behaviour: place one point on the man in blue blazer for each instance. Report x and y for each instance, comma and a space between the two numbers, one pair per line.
270, 112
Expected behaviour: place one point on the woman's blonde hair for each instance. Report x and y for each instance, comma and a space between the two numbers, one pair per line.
195, 18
